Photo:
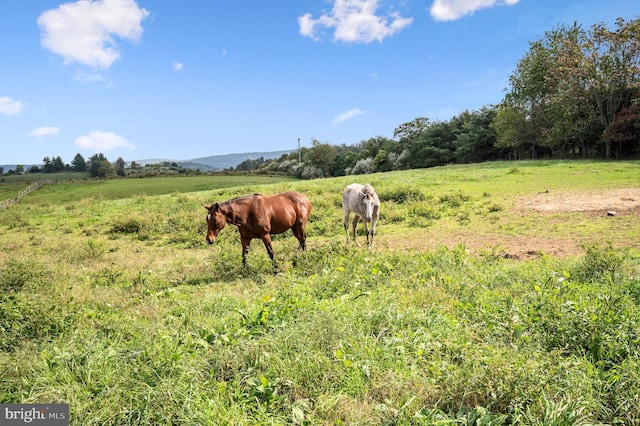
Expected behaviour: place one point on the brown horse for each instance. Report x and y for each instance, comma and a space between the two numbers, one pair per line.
260, 216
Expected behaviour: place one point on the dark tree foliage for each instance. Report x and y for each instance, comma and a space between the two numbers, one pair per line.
249, 164
119, 167
624, 132
78, 164
99, 166
52, 165
569, 90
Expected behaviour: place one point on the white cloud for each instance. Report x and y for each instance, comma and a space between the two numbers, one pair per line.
103, 141
177, 66
450, 10
83, 31
347, 115
87, 77
44, 131
9, 106
354, 21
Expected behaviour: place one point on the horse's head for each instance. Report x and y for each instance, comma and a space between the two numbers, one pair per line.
367, 199
216, 220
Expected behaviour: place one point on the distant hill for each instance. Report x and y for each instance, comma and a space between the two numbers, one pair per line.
184, 164
226, 161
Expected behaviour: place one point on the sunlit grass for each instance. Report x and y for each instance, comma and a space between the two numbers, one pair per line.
117, 306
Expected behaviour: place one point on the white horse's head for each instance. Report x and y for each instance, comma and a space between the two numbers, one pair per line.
368, 200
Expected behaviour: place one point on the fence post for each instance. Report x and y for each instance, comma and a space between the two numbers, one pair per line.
24, 192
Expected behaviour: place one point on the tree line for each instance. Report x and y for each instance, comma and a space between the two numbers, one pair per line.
574, 94
97, 165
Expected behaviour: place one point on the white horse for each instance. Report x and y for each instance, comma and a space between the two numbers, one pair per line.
364, 203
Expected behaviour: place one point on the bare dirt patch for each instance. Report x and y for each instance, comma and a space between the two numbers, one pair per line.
521, 247
591, 204
619, 200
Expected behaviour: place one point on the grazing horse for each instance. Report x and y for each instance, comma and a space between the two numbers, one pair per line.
364, 203
260, 216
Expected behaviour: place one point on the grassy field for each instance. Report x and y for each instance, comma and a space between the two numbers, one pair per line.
498, 293
69, 189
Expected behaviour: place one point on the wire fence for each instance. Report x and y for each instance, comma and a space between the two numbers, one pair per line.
6, 203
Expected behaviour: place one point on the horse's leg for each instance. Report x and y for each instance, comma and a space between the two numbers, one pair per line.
366, 230
245, 248
374, 221
354, 224
298, 232
266, 239
346, 224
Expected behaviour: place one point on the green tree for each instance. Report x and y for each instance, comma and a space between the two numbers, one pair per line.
411, 130
474, 136
512, 128
47, 165
106, 169
58, 164
99, 166
530, 97
119, 167
614, 62
407, 135
572, 84
345, 158
78, 163
322, 156
624, 132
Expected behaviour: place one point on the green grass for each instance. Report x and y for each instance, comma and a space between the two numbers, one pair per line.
116, 305
68, 189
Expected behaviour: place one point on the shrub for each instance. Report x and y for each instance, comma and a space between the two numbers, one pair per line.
454, 199
362, 167
401, 194
128, 225
15, 274
599, 262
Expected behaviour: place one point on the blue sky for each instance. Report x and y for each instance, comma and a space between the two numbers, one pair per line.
171, 79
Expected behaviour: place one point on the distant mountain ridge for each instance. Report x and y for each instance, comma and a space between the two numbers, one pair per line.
232, 160
219, 162
204, 164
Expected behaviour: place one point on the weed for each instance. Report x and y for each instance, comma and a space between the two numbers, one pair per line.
453, 200
494, 208
15, 274
93, 250
127, 226
401, 194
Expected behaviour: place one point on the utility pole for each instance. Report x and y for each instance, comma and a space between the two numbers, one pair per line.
299, 155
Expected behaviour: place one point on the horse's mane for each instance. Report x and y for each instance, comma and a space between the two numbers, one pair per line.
241, 197
368, 190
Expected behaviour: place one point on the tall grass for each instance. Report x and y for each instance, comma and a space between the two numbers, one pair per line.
119, 308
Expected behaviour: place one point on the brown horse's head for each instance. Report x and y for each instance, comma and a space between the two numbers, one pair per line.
216, 220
